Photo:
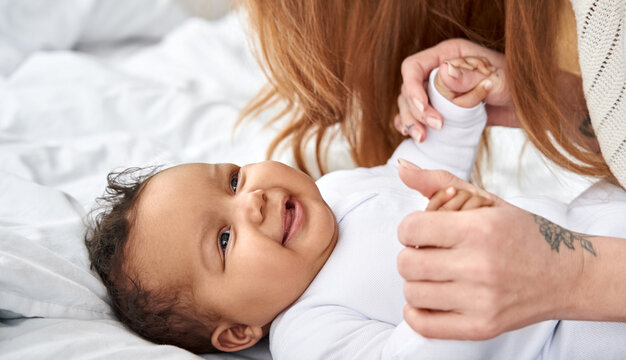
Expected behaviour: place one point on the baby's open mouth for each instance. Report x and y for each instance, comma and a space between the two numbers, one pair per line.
292, 218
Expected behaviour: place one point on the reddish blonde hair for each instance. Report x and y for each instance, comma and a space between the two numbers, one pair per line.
543, 110
337, 63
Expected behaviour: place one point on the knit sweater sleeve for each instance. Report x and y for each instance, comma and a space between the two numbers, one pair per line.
602, 57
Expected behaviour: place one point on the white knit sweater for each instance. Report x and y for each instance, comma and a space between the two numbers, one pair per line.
602, 56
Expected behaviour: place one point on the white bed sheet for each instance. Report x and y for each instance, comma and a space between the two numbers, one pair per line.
73, 111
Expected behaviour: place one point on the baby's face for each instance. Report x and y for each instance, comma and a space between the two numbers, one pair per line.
246, 241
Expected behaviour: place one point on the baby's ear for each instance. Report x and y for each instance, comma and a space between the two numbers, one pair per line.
230, 337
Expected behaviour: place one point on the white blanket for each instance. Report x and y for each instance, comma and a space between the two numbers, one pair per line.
89, 86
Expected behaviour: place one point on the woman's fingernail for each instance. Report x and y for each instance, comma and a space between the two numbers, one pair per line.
418, 104
453, 71
408, 164
487, 84
433, 122
450, 191
417, 135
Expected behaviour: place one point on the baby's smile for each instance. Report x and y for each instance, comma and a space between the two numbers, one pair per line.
293, 214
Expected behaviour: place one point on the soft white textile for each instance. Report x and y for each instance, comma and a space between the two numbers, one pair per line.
353, 308
27, 26
602, 57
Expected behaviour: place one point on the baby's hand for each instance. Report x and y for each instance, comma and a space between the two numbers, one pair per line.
465, 81
452, 199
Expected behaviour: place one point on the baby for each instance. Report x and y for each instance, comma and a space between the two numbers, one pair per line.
206, 256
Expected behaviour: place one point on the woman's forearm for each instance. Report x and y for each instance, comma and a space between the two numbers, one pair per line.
599, 294
496, 269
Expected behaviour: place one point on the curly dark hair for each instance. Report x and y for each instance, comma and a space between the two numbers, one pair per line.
163, 316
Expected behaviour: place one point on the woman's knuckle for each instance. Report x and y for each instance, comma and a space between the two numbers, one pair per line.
403, 89
408, 225
487, 328
426, 331
444, 175
407, 65
410, 294
404, 263
414, 319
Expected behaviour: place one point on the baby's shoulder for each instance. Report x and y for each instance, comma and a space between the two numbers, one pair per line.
341, 183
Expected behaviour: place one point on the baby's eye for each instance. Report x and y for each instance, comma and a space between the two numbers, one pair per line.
234, 180
223, 239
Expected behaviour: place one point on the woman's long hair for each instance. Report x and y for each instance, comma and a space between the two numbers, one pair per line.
337, 63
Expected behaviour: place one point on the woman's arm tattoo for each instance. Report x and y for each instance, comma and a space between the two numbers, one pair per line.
555, 235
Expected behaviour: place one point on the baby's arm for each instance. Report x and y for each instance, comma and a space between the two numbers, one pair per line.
453, 147
453, 199
465, 82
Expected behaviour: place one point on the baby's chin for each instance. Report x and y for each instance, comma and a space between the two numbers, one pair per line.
332, 242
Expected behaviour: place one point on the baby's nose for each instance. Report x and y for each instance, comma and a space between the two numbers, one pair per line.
254, 205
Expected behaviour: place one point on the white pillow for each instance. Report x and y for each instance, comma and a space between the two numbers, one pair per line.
45, 271
69, 339
27, 26
114, 20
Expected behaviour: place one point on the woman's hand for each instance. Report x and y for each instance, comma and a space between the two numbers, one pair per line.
415, 112
475, 274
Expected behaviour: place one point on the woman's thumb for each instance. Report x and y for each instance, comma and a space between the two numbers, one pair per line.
427, 182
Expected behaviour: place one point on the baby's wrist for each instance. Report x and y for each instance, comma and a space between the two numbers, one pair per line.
442, 88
